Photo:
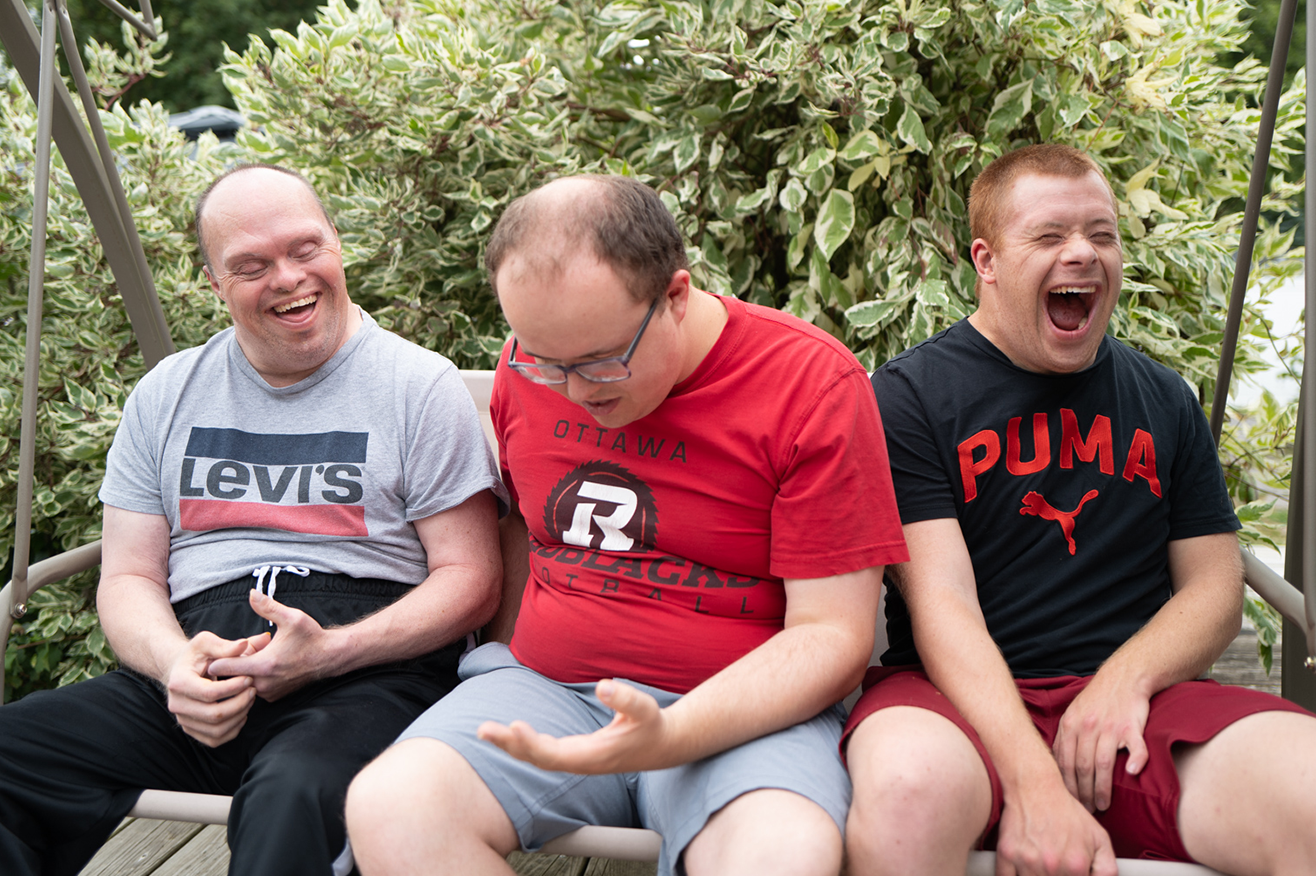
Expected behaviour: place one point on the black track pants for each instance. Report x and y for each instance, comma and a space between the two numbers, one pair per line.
73, 761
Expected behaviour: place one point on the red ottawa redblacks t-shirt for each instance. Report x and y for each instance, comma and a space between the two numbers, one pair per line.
658, 549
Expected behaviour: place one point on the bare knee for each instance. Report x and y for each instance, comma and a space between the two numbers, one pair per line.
920, 789
767, 832
1248, 796
419, 805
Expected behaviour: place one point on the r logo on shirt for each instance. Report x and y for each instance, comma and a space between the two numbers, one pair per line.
603, 506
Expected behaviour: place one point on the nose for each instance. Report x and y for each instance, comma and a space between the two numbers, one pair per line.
286, 274
577, 388
1078, 250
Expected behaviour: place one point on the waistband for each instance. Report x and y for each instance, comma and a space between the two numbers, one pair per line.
326, 584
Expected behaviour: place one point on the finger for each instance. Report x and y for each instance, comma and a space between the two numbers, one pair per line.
256, 644
204, 646
518, 739
247, 666
216, 711
1138, 754
212, 735
1063, 749
625, 699
1103, 862
1103, 778
203, 690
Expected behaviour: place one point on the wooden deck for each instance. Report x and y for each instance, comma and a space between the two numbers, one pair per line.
143, 847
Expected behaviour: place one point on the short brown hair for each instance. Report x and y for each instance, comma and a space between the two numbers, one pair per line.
989, 195
624, 223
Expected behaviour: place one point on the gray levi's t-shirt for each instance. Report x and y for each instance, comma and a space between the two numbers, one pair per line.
328, 474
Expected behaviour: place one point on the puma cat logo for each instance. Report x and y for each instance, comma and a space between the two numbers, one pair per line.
1037, 506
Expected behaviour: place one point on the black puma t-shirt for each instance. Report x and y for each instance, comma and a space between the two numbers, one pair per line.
1068, 489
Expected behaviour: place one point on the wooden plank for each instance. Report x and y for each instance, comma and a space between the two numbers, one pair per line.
608, 867
546, 865
140, 847
205, 855
1241, 665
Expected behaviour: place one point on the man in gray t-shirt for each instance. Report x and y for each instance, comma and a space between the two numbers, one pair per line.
299, 537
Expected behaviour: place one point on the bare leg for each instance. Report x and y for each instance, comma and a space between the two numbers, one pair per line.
921, 795
1248, 801
420, 808
767, 832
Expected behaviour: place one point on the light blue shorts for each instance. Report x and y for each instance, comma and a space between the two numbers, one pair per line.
675, 802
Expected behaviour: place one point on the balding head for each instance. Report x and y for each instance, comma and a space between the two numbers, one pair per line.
198, 218
621, 221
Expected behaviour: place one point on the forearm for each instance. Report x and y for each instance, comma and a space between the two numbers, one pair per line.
964, 663
139, 624
449, 604
514, 541
1193, 628
790, 678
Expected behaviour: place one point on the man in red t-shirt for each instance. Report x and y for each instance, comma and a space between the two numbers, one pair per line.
703, 487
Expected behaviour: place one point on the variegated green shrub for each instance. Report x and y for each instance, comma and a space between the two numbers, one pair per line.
817, 154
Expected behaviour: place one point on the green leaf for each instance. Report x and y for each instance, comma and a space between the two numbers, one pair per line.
910, 129
1009, 109
686, 152
835, 222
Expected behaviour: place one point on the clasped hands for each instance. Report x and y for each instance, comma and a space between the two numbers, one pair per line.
213, 682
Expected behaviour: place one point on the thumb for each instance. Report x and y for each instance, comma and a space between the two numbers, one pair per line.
266, 606
625, 699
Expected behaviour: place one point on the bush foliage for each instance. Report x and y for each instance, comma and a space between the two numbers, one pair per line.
816, 154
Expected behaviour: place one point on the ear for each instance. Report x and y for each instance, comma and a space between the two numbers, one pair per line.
678, 294
214, 284
983, 260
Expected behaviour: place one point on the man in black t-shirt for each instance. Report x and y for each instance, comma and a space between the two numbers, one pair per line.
1073, 569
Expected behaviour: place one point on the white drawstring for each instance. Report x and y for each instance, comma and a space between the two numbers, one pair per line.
273, 571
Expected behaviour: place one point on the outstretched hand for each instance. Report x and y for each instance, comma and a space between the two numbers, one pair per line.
211, 709
295, 657
639, 737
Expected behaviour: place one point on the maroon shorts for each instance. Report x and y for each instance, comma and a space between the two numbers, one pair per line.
1141, 820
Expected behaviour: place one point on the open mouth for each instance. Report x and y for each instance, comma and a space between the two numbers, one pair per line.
294, 308
1070, 307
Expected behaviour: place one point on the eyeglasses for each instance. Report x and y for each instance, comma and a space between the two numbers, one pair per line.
608, 370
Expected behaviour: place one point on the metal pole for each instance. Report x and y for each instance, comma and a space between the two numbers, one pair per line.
1307, 410
146, 25
35, 291
120, 200
1256, 190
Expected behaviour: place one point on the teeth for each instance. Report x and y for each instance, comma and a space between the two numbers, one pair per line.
284, 308
1072, 290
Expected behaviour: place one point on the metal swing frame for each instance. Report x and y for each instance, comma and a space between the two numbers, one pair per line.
83, 145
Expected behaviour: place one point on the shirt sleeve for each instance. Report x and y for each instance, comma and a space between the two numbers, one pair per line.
132, 466
835, 510
449, 459
918, 471
1199, 499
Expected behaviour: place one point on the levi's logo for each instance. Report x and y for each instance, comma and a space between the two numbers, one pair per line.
296, 483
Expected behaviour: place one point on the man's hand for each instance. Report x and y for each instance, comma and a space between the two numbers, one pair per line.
1107, 716
210, 710
1047, 833
297, 655
633, 741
